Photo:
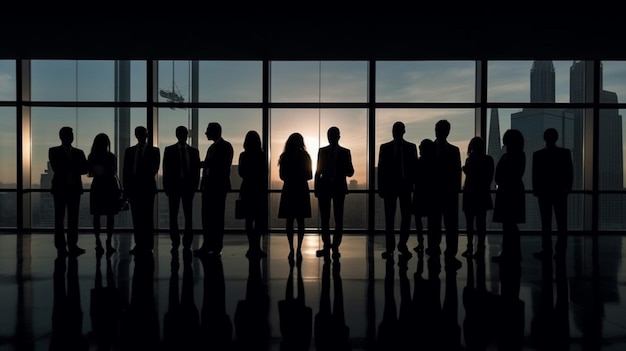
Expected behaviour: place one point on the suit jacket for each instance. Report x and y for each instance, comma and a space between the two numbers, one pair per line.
553, 172
67, 169
143, 181
393, 178
448, 170
216, 167
332, 170
174, 181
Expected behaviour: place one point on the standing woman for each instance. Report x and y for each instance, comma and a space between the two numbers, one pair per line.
295, 170
478, 169
254, 190
104, 189
510, 203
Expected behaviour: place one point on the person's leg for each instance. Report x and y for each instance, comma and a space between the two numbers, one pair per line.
300, 222
289, 230
96, 232
324, 206
206, 223
451, 223
469, 222
389, 203
545, 213
187, 200
110, 225
220, 221
560, 214
405, 222
60, 204
173, 207
338, 210
73, 207
481, 232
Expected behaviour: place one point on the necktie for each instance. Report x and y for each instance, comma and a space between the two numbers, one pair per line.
184, 163
138, 155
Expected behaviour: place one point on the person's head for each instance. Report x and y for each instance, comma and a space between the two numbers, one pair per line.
295, 142
476, 146
550, 136
427, 148
252, 141
442, 129
213, 131
513, 140
398, 130
66, 134
101, 143
181, 134
141, 133
333, 135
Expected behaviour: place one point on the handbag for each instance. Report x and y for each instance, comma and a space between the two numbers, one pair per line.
240, 210
122, 201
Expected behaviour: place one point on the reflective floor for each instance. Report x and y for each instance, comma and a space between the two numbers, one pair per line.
356, 302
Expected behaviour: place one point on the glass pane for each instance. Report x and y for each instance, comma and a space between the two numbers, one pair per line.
611, 212
318, 81
611, 150
614, 79
530, 81
7, 80
425, 81
8, 210
230, 81
8, 148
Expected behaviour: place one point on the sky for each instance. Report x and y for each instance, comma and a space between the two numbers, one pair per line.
290, 82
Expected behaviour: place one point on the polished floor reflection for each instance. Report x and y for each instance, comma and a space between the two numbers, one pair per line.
356, 302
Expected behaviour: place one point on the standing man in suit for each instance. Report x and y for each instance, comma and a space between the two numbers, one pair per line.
141, 164
215, 185
447, 187
334, 164
397, 161
68, 164
181, 177
552, 178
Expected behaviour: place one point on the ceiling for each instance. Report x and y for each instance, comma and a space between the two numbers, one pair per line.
309, 36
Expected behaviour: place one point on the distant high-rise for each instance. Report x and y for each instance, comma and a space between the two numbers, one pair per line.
542, 82
494, 143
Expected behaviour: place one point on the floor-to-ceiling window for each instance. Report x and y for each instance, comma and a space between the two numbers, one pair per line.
277, 98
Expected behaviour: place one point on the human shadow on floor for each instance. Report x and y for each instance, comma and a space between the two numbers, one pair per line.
331, 331
67, 313
252, 326
295, 318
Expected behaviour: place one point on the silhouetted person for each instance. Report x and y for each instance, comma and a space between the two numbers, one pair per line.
295, 170
140, 328
215, 185
141, 164
252, 325
552, 178
331, 331
253, 171
510, 202
397, 160
479, 169
295, 317
67, 313
105, 193
181, 177
334, 164
105, 307
424, 193
216, 328
181, 322
447, 187
68, 164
